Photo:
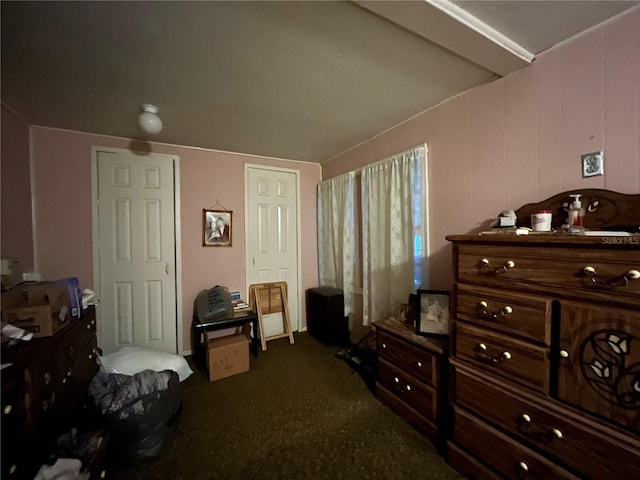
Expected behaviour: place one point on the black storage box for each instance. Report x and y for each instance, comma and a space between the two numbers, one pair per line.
325, 316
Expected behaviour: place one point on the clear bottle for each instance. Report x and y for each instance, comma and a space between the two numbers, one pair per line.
576, 212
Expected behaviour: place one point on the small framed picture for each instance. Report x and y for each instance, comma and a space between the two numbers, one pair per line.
404, 313
432, 312
411, 319
216, 228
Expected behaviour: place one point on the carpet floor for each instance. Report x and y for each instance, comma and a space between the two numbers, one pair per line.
298, 413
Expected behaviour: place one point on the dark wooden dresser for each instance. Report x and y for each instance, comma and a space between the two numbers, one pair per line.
411, 377
42, 389
545, 357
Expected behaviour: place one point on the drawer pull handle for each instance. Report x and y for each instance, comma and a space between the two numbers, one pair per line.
384, 345
619, 281
399, 387
419, 364
12, 469
482, 311
481, 351
523, 470
540, 433
7, 410
485, 268
564, 354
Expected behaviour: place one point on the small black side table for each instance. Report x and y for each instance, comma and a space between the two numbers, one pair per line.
238, 318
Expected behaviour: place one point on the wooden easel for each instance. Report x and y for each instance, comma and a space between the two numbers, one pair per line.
267, 298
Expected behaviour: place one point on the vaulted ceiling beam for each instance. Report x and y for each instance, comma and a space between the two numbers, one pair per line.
453, 28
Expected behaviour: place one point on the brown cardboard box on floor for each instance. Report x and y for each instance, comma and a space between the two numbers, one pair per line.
228, 355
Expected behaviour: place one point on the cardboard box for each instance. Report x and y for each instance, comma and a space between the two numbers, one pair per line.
38, 308
228, 355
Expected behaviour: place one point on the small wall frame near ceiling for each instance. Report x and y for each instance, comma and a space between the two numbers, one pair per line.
217, 227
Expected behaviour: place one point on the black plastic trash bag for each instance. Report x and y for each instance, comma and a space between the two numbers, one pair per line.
141, 411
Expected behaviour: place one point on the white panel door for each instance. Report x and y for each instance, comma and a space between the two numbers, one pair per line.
137, 251
272, 236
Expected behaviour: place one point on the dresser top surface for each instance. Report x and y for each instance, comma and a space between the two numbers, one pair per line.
394, 327
630, 242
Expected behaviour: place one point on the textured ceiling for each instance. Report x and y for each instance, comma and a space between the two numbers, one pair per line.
299, 80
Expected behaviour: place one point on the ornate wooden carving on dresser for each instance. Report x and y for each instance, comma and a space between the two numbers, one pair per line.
411, 377
545, 357
42, 389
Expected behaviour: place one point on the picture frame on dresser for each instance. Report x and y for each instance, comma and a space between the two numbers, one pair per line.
404, 313
432, 312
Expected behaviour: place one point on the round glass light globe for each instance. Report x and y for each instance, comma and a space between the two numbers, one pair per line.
150, 123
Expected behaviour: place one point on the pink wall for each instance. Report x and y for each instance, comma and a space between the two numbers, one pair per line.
62, 203
519, 139
17, 234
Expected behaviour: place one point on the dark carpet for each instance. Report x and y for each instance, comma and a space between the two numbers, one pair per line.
299, 413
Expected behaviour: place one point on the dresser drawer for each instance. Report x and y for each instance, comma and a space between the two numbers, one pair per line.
526, 316
467, 466
600, 362
45, 383
545, 269
415, 361
81, 330
419, 396
571, 438
13, 403
508, 457
498, 354
427, 427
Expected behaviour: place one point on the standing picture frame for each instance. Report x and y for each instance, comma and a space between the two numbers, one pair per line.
216, 228
404, 313
432, 312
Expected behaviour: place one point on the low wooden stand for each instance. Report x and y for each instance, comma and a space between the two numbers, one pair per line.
268, 298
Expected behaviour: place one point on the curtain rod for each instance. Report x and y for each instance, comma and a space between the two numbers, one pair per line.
386, 159
359, 170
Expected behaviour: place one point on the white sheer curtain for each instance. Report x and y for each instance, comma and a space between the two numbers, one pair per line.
337, 240
393, 193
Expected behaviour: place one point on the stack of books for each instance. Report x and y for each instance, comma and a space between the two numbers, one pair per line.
240, 306
238, 303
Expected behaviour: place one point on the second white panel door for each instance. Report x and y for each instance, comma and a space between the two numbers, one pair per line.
272, 236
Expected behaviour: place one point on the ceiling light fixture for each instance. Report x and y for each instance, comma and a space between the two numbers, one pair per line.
149, 120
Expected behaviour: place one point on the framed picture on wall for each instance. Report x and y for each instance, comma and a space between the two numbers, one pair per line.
216, 228
432, 312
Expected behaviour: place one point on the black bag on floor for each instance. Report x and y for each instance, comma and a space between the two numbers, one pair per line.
141, 411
